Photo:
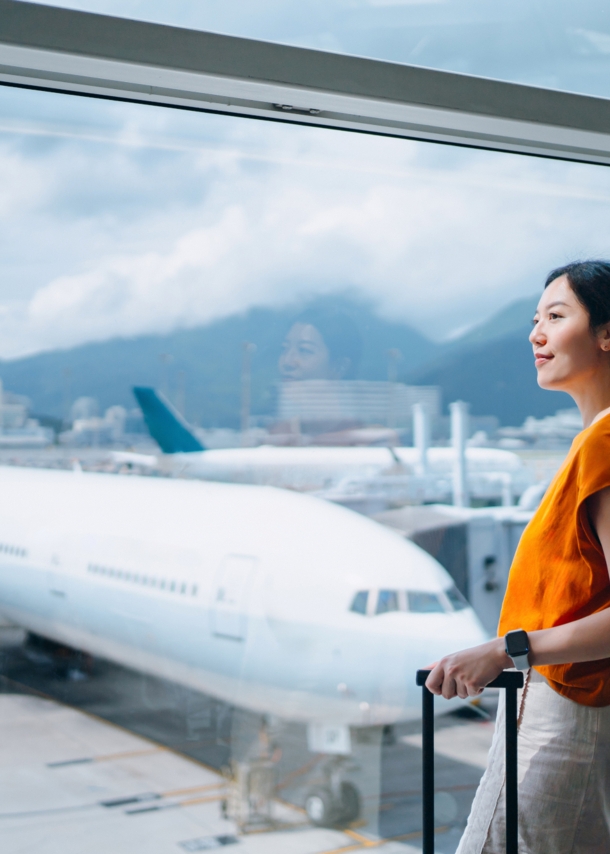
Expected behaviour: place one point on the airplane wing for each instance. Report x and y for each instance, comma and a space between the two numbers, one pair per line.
148, 461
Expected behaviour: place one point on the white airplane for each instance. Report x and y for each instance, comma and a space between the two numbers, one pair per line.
303, 468
273, 601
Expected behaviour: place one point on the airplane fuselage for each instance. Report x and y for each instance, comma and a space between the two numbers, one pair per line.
241, 592
311, 468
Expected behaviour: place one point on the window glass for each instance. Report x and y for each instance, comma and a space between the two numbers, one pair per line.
424, 603
359, 602
559, 44
295, 309
387, 600
458, 602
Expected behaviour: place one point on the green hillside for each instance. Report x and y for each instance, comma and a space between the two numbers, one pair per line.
492, 368
205, 363
513, 319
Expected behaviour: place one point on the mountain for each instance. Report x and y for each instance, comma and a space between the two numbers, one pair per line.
514, 319
201, 366
492, 368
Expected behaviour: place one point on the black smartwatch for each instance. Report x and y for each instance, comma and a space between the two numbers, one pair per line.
517, 646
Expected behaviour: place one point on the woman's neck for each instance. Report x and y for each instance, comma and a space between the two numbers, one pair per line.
593, 403
599, 415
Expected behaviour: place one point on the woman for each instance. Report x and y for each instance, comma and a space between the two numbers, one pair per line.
556, 613
321, 345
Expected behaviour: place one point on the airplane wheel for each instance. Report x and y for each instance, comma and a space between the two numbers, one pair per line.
321, 807
350, 802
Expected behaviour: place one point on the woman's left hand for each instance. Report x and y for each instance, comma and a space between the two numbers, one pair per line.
465, 674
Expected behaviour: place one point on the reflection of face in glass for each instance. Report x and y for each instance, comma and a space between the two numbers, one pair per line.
305, 356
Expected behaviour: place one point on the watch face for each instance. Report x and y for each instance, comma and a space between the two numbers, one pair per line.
517, 643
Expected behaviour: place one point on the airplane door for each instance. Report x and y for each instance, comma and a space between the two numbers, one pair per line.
57, 586
230, 596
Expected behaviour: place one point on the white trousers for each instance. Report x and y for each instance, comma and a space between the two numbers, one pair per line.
564, 779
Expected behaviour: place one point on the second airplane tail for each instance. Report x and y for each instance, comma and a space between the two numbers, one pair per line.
165, 424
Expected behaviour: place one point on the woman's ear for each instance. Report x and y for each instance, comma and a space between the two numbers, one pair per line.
603, 336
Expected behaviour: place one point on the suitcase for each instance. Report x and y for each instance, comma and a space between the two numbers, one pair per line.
511, 681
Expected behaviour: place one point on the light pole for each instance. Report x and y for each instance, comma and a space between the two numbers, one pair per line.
248, 349
459, 437
166, 359
180, 402
394, 356
421, 436
67, 376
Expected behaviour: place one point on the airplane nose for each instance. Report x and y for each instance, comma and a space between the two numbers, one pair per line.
461, 630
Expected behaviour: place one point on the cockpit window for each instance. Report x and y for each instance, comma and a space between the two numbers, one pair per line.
359, 602
415, 601
387, 600
458, 602
424, 603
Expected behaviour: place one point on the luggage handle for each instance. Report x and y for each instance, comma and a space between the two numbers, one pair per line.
510, 680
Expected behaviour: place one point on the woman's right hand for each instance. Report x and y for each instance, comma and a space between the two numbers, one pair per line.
464, 674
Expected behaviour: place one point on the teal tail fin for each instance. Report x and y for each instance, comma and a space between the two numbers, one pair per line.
165, 424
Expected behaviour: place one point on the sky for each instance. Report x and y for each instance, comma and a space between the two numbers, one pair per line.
120, 219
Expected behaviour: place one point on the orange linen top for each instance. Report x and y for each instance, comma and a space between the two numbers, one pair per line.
559, 572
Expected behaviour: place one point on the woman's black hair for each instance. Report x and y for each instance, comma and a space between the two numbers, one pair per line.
590, 281
340, 334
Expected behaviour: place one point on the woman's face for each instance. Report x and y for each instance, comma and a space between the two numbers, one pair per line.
304, 355
567, 353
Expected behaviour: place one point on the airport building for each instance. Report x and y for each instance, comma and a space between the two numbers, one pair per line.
17, 429
355, 401
117, 427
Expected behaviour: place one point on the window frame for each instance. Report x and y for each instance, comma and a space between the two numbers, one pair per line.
87, 54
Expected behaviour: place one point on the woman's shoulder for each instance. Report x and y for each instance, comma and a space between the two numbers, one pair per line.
591, 456
594, 436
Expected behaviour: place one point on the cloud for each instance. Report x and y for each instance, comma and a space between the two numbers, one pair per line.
118, 219
439, 238
600, 42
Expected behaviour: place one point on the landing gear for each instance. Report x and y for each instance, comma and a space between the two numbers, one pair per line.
350, 798
336, 803
63, 661
320, 807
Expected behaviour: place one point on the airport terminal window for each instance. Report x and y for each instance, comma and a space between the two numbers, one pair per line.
282, 288
564, 45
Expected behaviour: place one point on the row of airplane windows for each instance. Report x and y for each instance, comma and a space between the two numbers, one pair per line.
372, 602
13, 550
148, 580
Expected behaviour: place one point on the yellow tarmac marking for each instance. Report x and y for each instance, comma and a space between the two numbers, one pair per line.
128, 754
194, 801
174, 793
364, 842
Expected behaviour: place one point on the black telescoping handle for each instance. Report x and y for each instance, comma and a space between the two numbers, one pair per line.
510, 680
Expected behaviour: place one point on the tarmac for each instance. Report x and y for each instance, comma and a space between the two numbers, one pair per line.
95, 757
